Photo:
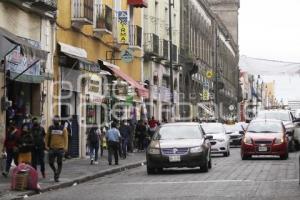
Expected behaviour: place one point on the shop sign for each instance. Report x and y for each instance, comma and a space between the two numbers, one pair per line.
127, 55
123, 27
205, 95
18, 63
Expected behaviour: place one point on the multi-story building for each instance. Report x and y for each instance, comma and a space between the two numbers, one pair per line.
157, 56
27, 38
209, 58
98, 64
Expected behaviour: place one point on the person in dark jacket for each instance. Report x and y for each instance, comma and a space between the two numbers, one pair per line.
141, 134
25, 145
125, 135
10, 146
94, 143
38, 154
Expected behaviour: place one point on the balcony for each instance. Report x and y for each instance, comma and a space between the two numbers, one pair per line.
151, 44
104, 19
135, 36
82, 12
164, 49
174, 53
45, 5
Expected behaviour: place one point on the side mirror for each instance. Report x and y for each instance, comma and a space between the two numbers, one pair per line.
242, 132
209, 137
296, 120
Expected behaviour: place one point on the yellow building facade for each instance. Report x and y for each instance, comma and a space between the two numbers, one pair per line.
88, 49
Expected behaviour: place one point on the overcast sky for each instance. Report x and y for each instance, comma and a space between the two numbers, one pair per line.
270, 29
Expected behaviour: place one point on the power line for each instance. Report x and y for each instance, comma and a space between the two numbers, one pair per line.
271, 60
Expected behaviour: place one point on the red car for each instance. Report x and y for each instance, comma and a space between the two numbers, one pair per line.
265, 137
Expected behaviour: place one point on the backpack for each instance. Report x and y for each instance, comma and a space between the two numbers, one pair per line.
93, 135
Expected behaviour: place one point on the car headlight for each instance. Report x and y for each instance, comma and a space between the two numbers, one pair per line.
154, 151
279, 140
247, 140
220, 140
196, 150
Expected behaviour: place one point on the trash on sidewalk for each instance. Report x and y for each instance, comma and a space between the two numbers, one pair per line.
24, 177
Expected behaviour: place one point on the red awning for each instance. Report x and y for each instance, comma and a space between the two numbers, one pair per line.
142, 92
138, 3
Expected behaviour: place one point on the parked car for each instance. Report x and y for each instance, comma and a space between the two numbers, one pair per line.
265, 137
220, 140
182, 144
235, 132
287, 118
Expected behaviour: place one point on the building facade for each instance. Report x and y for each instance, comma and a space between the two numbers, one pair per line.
27, 38
98, 60
157, 57
209, 58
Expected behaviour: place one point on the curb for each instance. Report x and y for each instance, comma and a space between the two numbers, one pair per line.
83, 179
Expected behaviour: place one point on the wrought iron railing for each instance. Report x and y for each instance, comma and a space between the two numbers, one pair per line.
135, 35
151, 43
104, 17
83, 9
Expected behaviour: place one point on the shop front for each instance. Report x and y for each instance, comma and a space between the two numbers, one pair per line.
23, 85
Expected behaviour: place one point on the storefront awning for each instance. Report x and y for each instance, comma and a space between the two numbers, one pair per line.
81, 56
115, 70
27, 49
138, 3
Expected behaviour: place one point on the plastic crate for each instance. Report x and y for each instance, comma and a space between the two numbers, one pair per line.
21, 181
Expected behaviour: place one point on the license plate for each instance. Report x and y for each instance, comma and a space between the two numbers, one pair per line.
174, 158
262, 148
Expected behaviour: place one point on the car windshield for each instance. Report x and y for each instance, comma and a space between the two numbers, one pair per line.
213, 128
283, 116
264, 127
178, 132
233, 128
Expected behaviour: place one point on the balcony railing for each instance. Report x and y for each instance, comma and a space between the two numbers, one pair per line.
164, 49
135, 36
82, 11
151, 43
174, 53
46, 5
104, 19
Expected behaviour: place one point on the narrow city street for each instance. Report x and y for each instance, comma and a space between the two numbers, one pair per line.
229, 178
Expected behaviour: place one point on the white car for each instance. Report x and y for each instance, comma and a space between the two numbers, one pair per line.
220, 141
235, 132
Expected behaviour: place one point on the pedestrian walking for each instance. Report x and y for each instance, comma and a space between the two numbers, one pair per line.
113, 137
130, 146
68, 126
56, 142
38, 153
94, 143
10, 146
141, 134
25, 145
103, 143
125, 134
153, 124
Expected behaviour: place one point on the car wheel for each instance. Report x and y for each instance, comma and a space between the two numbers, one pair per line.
209, 163
205, 166
150, 170
245, 157
292, 146
297, 145
285, 156
226, 154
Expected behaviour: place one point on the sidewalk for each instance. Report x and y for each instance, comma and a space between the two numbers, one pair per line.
74, 171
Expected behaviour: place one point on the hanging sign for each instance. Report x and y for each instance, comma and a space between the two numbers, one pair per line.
127, 55
205, 94
123, 33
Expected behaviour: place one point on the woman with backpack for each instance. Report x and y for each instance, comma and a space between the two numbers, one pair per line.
94, 143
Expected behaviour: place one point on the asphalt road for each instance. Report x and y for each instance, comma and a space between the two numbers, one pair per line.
230, 178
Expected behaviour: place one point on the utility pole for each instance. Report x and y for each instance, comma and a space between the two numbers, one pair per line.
171, 61
216, 72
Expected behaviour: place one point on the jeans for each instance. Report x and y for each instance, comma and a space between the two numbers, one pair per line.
57, 154
113, 148
11, 155
124, 147
94, 149
38, 155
